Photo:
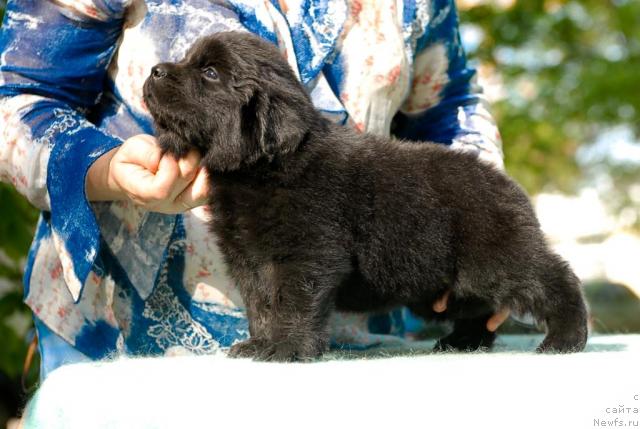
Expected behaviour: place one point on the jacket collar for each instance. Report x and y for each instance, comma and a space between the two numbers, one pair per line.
314, 27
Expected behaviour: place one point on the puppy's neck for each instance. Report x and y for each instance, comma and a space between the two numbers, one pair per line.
272, 169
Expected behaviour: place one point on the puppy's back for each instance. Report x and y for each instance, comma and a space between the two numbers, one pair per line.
426, 175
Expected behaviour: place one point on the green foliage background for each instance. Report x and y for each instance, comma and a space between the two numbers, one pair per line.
580, 61
16, 229
571, 72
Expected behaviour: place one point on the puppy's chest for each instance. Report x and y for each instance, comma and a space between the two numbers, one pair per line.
242, 213
251, 221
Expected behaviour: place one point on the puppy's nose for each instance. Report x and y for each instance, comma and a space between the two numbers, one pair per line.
159, 71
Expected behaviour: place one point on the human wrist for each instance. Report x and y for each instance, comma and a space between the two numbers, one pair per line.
100, 184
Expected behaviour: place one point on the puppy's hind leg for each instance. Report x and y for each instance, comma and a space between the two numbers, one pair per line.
563, 309
470, 318
468, 335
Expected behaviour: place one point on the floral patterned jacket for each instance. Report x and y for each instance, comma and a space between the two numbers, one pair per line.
109, 277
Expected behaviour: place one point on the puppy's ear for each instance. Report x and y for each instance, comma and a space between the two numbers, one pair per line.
281, 120
274, 117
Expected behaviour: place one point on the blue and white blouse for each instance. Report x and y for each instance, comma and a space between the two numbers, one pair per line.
106, 278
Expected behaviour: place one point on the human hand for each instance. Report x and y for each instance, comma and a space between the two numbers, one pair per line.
139, 172
494, 322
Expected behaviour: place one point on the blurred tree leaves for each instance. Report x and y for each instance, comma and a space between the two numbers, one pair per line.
17, 223
570, 71
14, 341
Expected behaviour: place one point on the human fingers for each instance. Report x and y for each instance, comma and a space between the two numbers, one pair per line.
154, 181
147, 188
171, 180
134, 165
167, 183
440, 305
141, 150
189, 165
497, 319
196, 194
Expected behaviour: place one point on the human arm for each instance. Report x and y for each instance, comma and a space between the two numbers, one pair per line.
53, 71
445, 104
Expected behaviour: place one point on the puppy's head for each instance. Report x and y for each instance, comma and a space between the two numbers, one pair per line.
233, 97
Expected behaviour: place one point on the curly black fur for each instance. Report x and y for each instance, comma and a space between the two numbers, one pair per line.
312, 216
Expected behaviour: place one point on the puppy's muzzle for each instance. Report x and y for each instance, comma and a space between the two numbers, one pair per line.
157, 81
159, 71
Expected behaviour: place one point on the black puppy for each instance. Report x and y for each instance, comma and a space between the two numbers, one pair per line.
312, 216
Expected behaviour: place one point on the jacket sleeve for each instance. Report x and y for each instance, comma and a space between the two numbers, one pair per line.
445, 104
52, 70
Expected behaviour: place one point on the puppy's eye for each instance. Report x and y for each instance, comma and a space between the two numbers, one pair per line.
210, 73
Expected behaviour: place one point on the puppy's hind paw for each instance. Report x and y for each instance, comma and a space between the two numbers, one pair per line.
465, 342
468, 335
563, 344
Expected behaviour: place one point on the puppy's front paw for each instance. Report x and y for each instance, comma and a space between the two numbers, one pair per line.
291, 351
284, 351
248, 349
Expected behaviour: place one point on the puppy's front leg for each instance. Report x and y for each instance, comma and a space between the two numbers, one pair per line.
255, 290
297, 316
300, 318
